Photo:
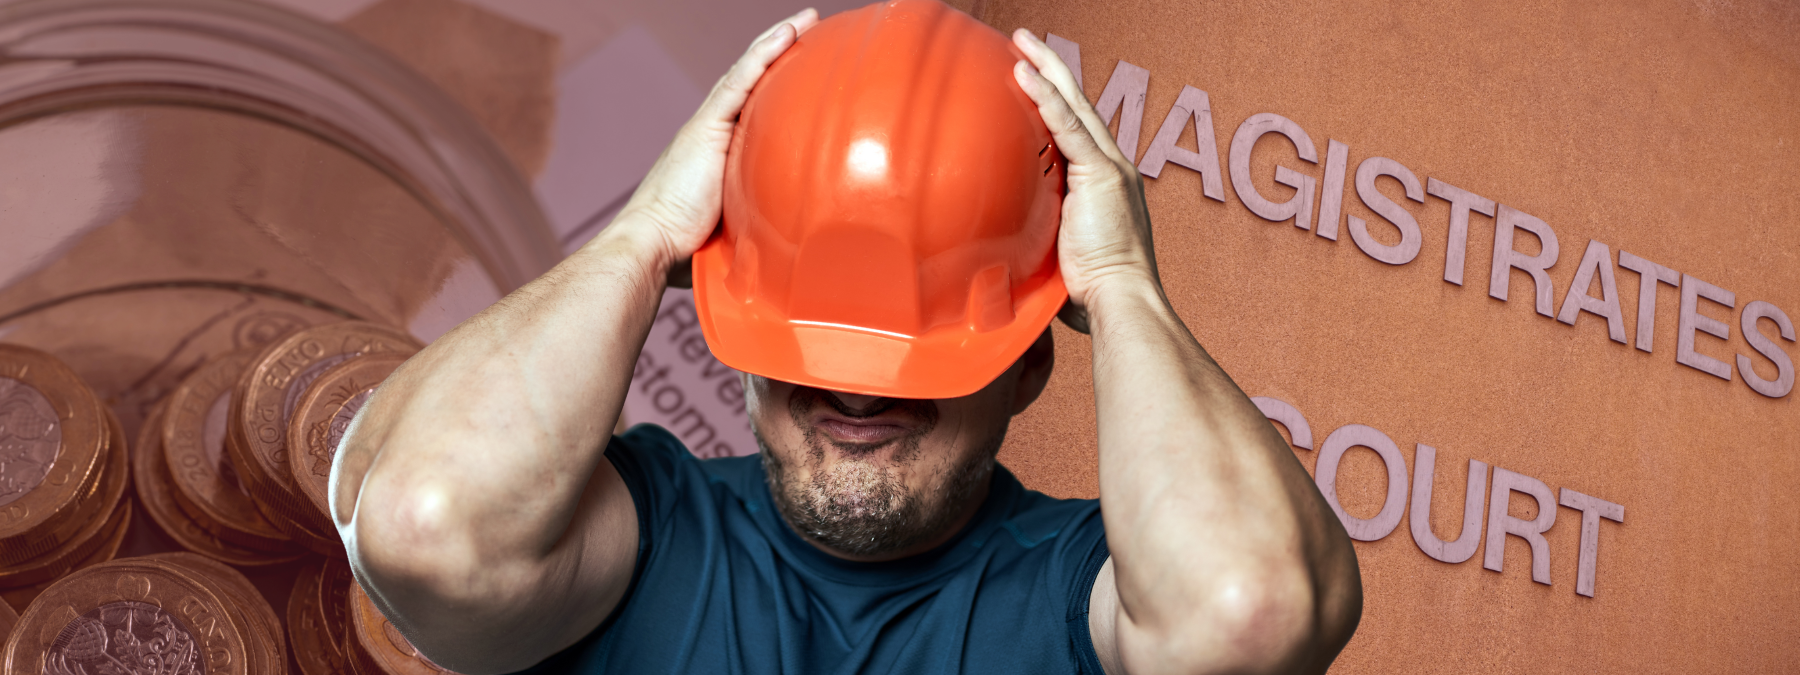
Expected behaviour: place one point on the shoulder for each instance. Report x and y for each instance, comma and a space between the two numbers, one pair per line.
648, 443
1062, 540
1034, 518
655, 466
1067, 537
651, 449
661, 472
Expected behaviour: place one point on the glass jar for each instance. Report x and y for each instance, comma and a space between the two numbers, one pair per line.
183, 178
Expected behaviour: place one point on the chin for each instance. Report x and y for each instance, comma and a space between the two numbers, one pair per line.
860, 485
858, 502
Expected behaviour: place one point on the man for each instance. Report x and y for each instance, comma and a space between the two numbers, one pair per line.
494, 518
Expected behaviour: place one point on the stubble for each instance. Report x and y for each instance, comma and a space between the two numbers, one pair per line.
860, 505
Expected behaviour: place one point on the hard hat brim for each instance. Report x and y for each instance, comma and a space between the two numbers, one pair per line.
944, 362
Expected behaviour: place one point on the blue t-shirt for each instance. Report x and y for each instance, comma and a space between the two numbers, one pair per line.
723, 585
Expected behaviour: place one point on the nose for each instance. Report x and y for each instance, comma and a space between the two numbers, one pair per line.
857, 402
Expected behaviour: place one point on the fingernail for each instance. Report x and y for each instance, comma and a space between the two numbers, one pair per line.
1025, 76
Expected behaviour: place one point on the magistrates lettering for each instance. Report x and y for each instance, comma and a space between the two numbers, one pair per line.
1123, 100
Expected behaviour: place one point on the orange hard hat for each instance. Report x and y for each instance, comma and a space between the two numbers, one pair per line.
891, 206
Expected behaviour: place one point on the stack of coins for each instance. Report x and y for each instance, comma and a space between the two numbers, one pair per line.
317, 622
8, 619
204, 479
264, 404
156, 492
233, 465
324, 414
173, 613
63, 473
376, 647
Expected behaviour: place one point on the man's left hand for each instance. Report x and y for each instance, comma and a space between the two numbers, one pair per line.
1105, 236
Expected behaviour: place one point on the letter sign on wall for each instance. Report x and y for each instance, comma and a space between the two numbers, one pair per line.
1325, 474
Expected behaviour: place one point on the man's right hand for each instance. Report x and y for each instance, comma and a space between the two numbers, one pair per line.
472, 493
680, 198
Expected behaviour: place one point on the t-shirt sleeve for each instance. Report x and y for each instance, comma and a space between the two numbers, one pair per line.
1073, 532
1081, 552
646, 457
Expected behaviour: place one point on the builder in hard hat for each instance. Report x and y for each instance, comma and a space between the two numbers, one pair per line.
881, 233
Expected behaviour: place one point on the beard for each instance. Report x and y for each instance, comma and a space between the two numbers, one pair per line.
859, 506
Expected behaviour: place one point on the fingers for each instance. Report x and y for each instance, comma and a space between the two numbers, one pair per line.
1073, 137
1057, 73
801, 21
727, 97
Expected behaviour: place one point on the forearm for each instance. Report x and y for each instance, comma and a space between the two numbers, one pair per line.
473, 494
1223, 551
482, 445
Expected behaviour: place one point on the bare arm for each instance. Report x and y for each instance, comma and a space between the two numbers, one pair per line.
472, 494
1225, 557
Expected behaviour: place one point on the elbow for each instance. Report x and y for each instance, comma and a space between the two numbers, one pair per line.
1244, 623
1267, 620
420, 555
407, 538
